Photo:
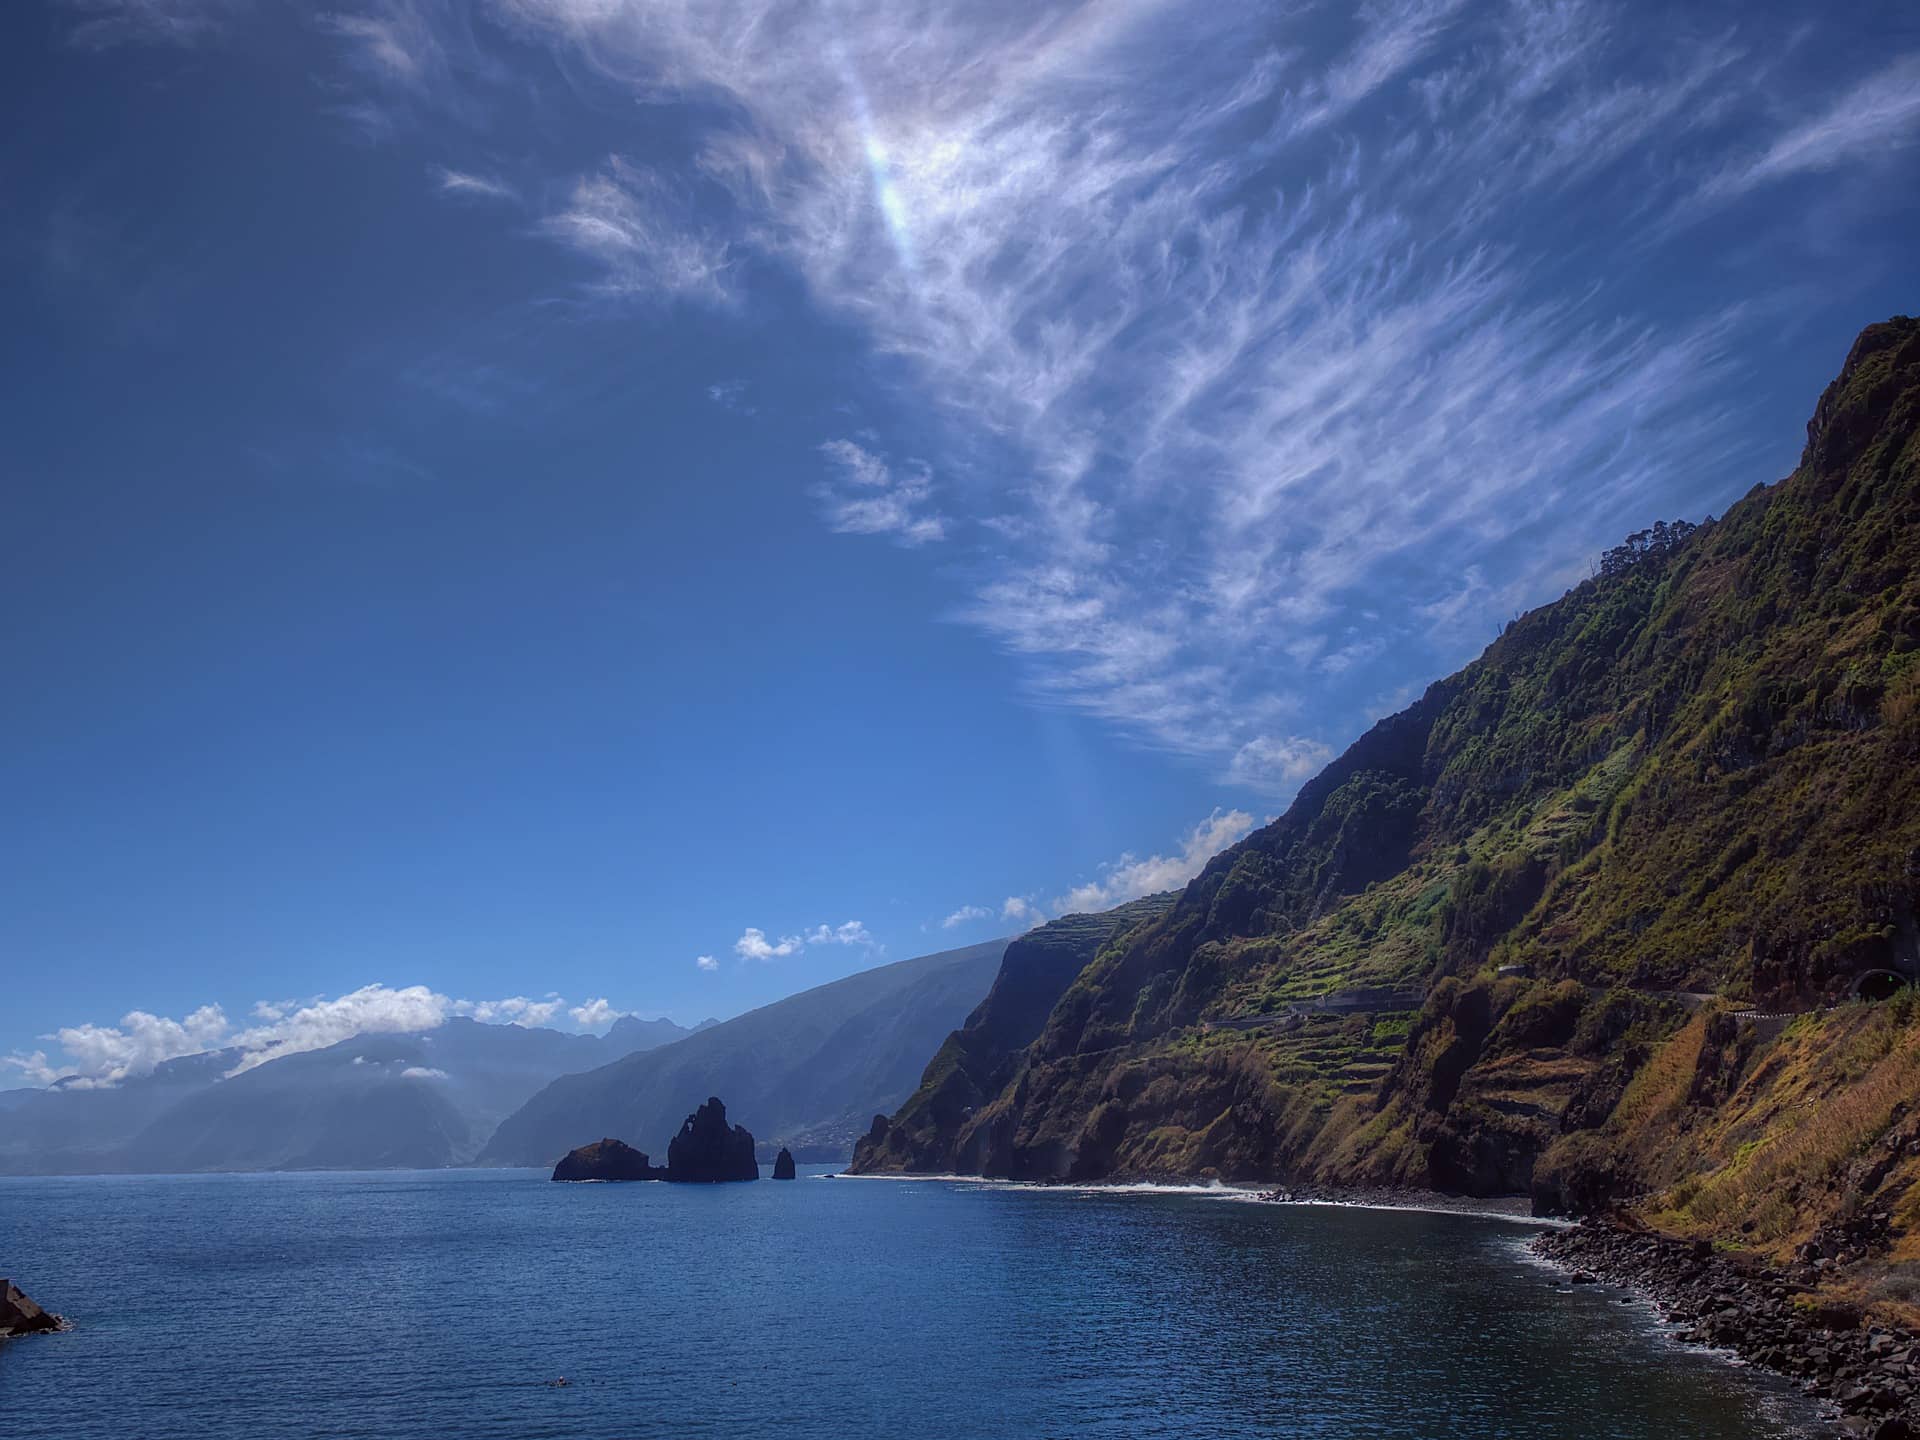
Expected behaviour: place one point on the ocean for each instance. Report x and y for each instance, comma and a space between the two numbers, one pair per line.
452, 1303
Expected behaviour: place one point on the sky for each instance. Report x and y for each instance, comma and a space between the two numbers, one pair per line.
544, 509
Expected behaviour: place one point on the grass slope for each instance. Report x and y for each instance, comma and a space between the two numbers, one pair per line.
1688, 788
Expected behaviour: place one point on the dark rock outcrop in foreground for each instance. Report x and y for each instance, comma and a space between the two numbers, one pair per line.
607, 1159
1870, 1372
707, 1149
20, 1316
783, 1164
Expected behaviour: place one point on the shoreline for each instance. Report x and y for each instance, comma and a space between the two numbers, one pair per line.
1512, 1209
1866, 1375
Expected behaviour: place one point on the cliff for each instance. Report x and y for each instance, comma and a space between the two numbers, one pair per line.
707, 1150
1586, 920
936, 1131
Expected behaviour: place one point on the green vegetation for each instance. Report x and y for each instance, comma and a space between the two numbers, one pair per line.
1690, 785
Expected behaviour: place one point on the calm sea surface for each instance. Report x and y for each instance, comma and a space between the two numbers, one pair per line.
441, 1304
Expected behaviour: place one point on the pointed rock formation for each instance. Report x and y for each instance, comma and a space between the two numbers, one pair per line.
707, 1149
607, 1159
20, 1316
783, 1164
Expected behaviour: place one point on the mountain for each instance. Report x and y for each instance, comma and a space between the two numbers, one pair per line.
75, 1129
934, 1132
1534, 931
806, 1072
369, 1102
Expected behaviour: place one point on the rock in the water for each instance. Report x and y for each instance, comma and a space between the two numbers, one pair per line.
708, 1149
20, 1316
783, 1164
607, 1159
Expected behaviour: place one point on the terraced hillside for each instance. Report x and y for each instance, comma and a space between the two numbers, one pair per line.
1687, 791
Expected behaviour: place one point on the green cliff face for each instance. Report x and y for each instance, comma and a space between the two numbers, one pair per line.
1465, 955
944, 1127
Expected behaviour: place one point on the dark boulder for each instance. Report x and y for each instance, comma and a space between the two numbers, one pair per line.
707, 1149
20, 1316
783, 1164
607, 1160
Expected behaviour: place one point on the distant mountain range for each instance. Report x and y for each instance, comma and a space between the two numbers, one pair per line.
425, 1099
808, 1072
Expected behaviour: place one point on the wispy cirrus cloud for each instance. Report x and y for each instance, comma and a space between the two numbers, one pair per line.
1876, 118
1276, 355
102, 24
642, 234
870, 495
465, 185
1246, 322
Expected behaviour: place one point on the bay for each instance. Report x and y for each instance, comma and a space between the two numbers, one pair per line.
416, 1304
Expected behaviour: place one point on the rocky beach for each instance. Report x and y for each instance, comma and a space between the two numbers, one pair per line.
1868, 1372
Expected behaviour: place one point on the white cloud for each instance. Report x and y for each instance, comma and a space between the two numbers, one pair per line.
1249, 319
514, 1010
854, 932
754, 945
397, 45
643, 236
706, 962
1129, 878
462, 184
96, 1055
731, 395
1256, 323
1020, 910
1875, 118
869, 497
422, 1072
104, 1054
595, 1014
965, 915
100, 24
1277, 765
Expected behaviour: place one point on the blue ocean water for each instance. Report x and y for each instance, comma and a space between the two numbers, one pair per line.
443, 1303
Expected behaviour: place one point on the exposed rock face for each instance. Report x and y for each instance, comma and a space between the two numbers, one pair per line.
783, 1164
607, 1159
948, 1123
1653, 823
1763, 1313
707, 1149
20, 1316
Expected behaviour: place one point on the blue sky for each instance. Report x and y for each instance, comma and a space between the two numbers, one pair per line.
541, 508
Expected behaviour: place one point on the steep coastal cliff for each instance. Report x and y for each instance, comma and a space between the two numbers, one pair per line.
947, 1124
1588, 920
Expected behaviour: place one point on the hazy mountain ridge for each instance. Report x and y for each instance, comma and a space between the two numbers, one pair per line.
1699, 771
425, 1099
807, 1072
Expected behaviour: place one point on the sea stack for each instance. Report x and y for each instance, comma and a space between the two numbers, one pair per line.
708, 1150
607, 1159
20, 1316
783, 1164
